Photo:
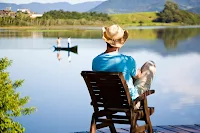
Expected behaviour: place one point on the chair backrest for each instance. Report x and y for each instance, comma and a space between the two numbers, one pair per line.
107, 89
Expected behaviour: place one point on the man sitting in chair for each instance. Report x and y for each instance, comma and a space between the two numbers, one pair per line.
112, 61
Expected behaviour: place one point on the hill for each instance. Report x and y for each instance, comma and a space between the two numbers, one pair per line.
44, 7
127, 6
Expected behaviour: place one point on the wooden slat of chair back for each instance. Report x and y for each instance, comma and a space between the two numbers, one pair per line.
107, 89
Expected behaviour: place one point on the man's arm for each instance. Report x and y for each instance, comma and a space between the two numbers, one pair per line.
135, 73
137, 76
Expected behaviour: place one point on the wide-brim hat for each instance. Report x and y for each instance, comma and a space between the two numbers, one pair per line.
115, 35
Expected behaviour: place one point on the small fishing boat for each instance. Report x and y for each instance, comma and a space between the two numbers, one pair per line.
73, 49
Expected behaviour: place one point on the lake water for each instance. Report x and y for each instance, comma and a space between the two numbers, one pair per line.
60, 95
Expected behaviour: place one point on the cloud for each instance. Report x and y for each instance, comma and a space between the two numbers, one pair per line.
177, 78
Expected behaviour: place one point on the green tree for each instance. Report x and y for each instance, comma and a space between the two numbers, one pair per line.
172, 13
177, 18
169, 5
11, 105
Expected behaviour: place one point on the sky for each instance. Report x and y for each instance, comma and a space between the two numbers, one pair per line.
45, 1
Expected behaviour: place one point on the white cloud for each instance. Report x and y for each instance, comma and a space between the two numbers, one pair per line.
176, 76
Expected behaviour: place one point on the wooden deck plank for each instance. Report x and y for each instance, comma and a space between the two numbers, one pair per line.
155, 130
186, 128
174, 129
122, 130
101, 131
81, 132
197, 125
193, 127
127, 129
158, 129
119, 130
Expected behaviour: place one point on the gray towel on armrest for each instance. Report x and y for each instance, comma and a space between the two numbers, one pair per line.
144, 82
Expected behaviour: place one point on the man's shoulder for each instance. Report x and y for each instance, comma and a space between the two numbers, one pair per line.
97, 58
127, 57
122, 56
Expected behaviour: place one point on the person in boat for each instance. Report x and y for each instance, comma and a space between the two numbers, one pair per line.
111, 60
58, 42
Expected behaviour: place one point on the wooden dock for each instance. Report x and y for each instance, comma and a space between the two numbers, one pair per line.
161, 129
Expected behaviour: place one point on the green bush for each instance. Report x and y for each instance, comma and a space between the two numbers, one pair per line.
11, 105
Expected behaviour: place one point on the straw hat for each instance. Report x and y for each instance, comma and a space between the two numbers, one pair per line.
115, 35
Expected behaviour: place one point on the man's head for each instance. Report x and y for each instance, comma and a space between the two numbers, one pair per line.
114, 36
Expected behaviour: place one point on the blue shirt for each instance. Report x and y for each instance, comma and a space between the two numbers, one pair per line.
116, 62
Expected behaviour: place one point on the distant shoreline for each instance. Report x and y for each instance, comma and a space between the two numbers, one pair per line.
138, 19
94, 27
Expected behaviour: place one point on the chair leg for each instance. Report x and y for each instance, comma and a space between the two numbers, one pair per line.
112, 126
147, 117
133, 122
148, 122
93, 124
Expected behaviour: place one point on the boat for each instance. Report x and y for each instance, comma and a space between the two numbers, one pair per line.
73, 49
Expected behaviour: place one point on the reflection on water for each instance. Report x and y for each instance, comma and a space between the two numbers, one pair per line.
170, 36
69, 57
58, 55
58, 91
173, 36
75, 34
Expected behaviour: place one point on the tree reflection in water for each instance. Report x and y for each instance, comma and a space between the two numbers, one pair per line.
170, 36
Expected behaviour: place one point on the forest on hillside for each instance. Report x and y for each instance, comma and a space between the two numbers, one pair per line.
170, 13
56, 17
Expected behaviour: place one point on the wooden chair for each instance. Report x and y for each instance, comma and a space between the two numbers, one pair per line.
110, 95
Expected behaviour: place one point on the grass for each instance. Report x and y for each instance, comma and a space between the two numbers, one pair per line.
130, 18
134, 19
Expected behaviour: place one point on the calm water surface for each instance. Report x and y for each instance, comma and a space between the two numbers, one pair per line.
58, 91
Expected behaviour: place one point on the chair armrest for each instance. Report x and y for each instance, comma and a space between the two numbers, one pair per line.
142, 96
149, 92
